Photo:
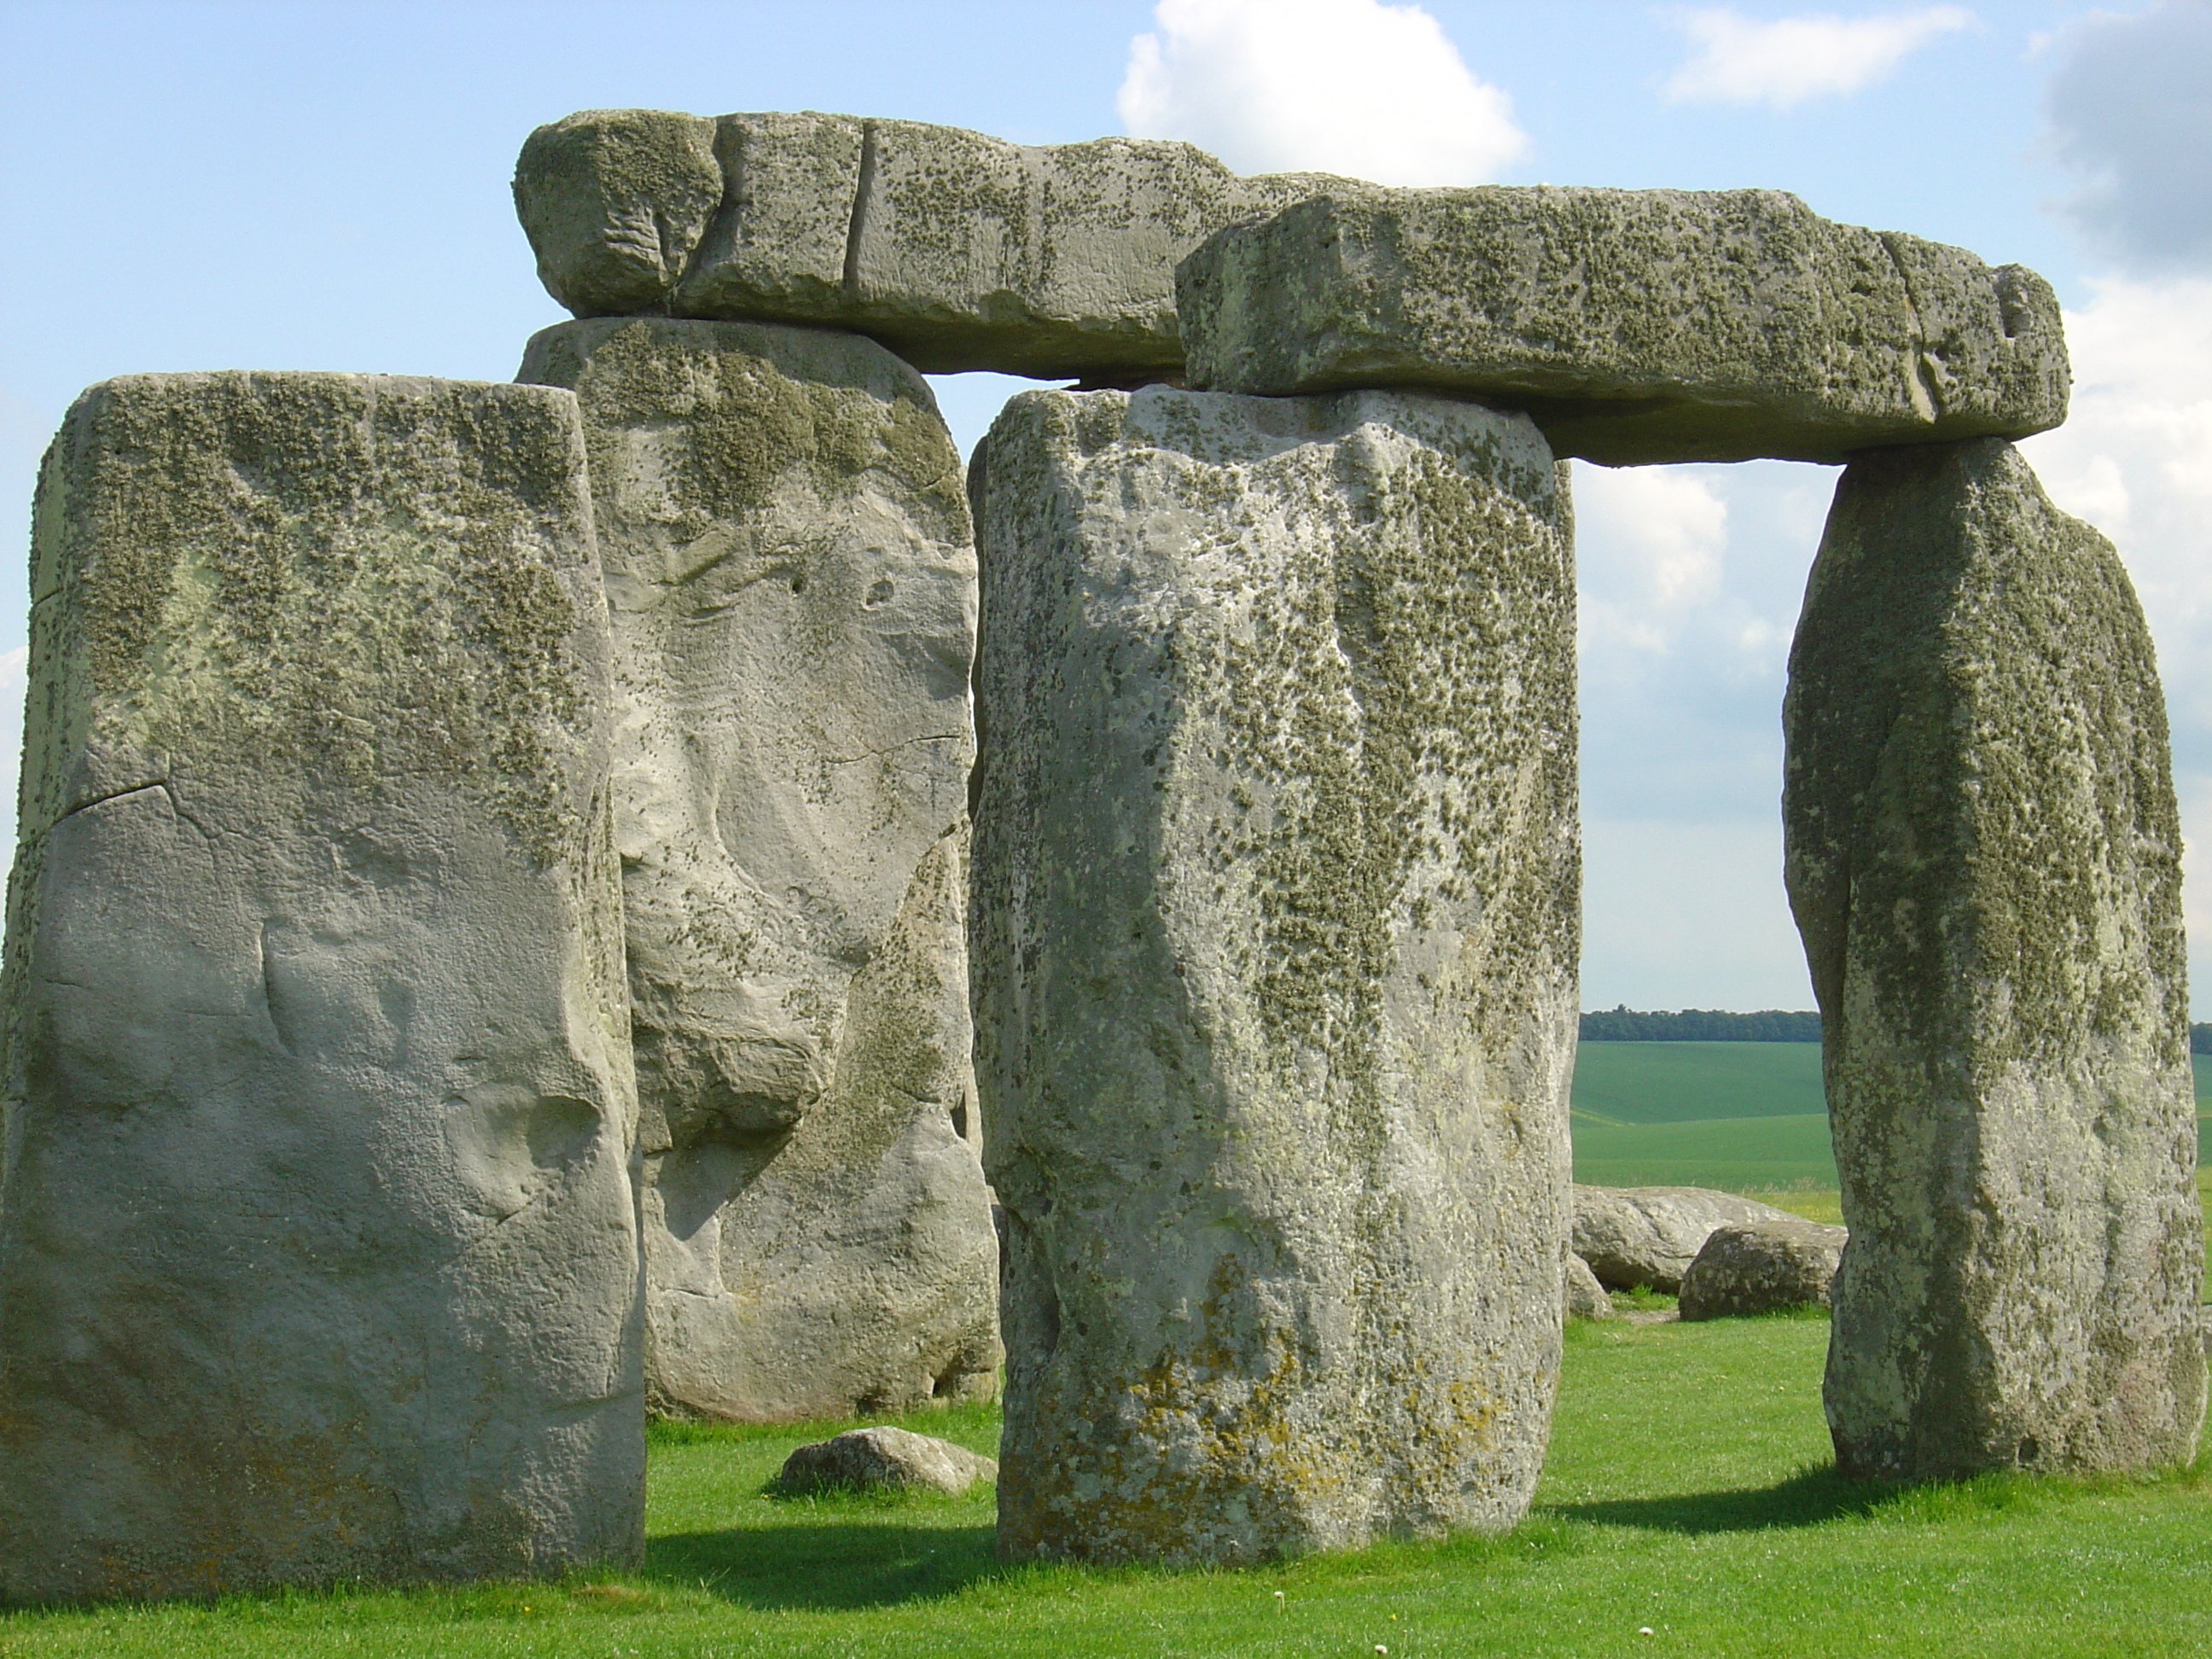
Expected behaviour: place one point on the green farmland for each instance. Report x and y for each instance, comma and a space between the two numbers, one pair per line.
1736, 1115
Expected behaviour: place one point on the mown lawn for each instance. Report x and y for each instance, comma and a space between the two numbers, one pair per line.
1685, 1493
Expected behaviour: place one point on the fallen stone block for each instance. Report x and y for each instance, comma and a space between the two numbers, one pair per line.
955, 250
865, 1460
1585, 1297
1275, 936
317, 1248
1984, 857
1649, 1236
791, 581
1762, 1267
1635, 326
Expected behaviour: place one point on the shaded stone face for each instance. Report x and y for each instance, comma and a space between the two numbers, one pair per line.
955, 250
791, 581
1274, 938
1984, 861
1635, 326
318, 1249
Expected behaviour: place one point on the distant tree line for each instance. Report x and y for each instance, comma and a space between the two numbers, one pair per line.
1626, 1024
2200, 1038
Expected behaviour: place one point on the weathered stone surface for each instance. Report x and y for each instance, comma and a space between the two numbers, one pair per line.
792, 583
878, 1458
955, 250
1274, 938
1762, 1267
614, 202
318, 1249
1649, 1236
1585, 1297
1984, 857
1636, 325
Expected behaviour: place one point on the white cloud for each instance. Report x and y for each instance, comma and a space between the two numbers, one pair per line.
2134, 459
1659, 533
1352, 87
2130, 107
1781, 62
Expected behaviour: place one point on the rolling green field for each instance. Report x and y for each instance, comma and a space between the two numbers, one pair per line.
1740, 1117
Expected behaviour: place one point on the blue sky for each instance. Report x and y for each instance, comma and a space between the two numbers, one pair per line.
325, 185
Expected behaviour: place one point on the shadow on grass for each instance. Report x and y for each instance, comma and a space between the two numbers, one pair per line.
1804, 1499
842, 1565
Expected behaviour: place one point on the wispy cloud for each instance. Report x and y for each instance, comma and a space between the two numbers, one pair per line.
1353, 87
1783, 61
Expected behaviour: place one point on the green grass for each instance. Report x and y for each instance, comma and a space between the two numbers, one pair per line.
1735, 1115
1686, 1489
1684, 1082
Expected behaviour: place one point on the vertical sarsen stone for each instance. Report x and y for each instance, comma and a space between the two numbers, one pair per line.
1273, 937
1983, 858
317, 1248
792, 591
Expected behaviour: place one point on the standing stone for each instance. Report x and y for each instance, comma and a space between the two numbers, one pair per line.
1274, 938
1984, 857
791, 577
317, 1247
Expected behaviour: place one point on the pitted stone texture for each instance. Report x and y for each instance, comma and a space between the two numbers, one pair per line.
1649, 1236
956, 251
1274, 938
885, 1458
1983, 858
1636, 325
792, 583
317, 1251
1585, 1297
1762, 1267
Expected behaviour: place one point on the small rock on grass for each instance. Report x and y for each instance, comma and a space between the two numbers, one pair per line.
868, 1459
1585, 1297
1762, 1267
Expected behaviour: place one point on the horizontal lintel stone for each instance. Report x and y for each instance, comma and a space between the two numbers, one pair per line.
1636, 326
955, 250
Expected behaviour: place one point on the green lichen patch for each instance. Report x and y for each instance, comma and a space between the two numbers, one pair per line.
340, 581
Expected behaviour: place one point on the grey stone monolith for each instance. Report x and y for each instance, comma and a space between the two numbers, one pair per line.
318, 1257
1984, 857
955, 250
1274, 938
1649, 1235
791, 576
1635, 326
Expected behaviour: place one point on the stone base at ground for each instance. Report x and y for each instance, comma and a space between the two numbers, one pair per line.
791, 578
1762, 1268
876, 1459
1274, 940
318, 1240
1984, 857
1649, 1235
